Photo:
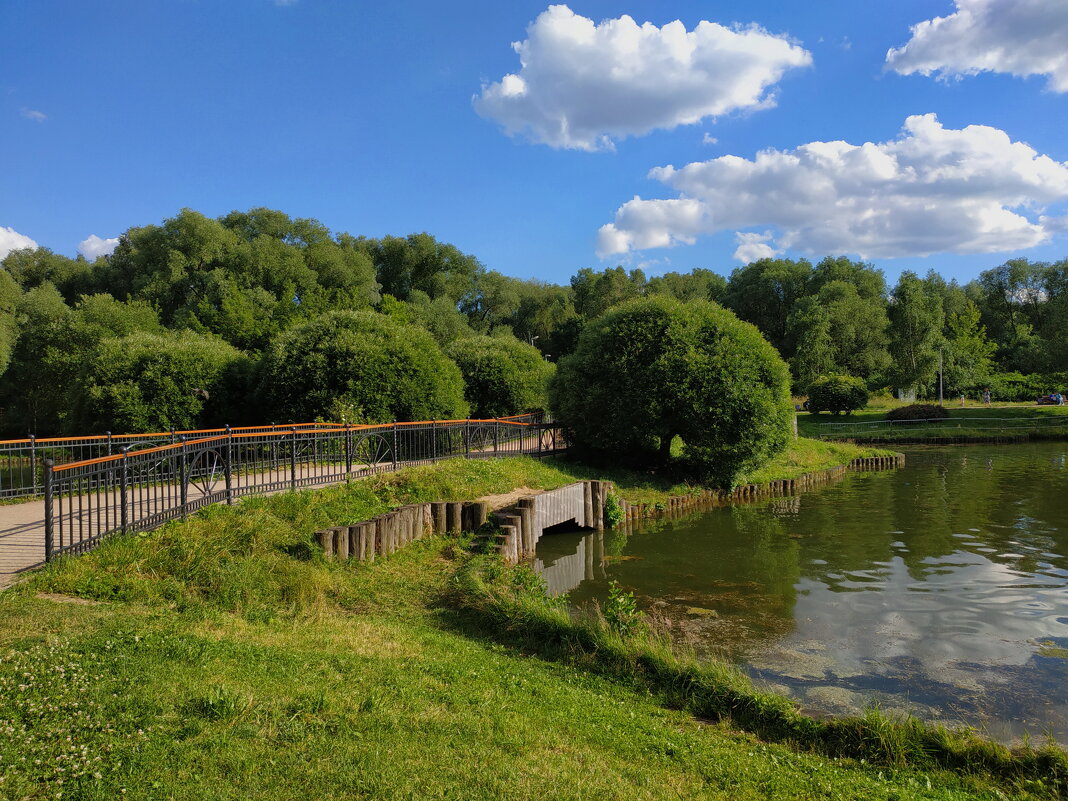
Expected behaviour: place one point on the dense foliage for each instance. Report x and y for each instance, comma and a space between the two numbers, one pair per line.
837, 394
654, 369
249, 277
157, 382
502, 376
359, 367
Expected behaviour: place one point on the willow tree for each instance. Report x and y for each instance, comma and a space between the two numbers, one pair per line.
654, 369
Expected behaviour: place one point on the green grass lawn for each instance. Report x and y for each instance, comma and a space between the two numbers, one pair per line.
972, 421
385, 694
224, 658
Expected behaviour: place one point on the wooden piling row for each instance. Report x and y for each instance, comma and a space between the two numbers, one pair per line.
514, 532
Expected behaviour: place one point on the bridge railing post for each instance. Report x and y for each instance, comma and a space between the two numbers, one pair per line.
495, 435
183, 477
467, 439
33, 462
49, 543
394, 449
433, 440
348, 447
293, 458
124, 490
228, 471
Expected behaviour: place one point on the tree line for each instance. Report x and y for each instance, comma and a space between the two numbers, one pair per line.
245, 318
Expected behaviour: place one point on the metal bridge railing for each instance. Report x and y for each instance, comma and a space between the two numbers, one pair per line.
137, 490
21, 460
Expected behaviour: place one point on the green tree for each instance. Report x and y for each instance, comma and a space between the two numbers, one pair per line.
31, 267
9, 330
378, 369
836, 394
597, 292
764, 293
653, 369
420, 262
145, 381
30, 393
809, 327
502, 376
915, 332
967, 360
698, 284
858, 330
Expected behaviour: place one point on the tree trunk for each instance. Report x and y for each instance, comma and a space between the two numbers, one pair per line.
665, 446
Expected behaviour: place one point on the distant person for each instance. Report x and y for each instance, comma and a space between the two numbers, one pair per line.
986, 397
962, 400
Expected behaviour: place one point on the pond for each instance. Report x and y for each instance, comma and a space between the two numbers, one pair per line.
940, 589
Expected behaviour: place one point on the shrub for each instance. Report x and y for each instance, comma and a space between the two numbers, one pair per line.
363, 361
146, 382
836, 394
653, 369
502, 375
917, 411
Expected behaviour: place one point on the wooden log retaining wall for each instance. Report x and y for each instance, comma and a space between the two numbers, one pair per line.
515, 530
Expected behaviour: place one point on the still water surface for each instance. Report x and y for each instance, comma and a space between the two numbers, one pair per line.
940, 589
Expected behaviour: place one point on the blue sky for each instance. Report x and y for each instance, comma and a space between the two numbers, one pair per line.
364, 116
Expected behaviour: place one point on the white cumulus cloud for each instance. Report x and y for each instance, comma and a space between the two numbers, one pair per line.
931, 190
583, 85
10, 240
93, 247
1019, 37
753, 246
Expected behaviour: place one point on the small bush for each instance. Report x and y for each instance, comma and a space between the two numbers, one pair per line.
836, 394
621, 612
613, 511
918, 411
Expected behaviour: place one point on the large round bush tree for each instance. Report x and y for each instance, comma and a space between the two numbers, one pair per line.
361, 365
653, 369
158, 381
502, 375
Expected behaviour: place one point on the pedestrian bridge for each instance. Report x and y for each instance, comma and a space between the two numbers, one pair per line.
80, 490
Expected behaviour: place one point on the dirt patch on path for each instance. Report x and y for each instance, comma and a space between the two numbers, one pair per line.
509, 498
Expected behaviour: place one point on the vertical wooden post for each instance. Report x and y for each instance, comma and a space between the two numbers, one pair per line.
438, 512
598, 507
341, 542
455, 523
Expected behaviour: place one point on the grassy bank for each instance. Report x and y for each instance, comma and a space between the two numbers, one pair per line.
257, 557
223, 658
394, 689
972, 423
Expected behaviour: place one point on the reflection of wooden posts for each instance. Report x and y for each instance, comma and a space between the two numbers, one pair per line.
598, 555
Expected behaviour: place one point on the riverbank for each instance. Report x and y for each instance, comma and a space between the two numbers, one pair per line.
972, 424
223, 657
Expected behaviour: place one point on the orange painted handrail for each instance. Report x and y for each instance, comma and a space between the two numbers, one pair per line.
245, 433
